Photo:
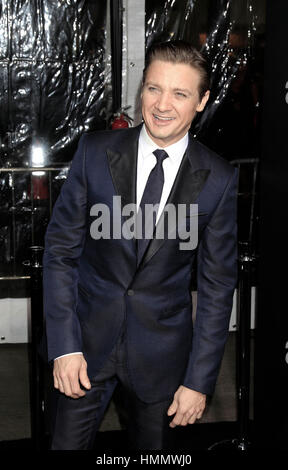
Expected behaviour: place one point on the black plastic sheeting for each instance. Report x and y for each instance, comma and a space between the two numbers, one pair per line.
52, 66
231, 35
54, 85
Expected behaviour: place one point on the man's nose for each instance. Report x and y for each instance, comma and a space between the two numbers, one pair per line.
164, 102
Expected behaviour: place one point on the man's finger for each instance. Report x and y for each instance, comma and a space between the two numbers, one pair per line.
192, 418
83, 377
76, 391
176, 420
172, 408
60, 386
189, 417
56, 384
65, 386
196, 415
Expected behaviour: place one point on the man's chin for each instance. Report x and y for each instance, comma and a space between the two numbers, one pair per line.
160, 136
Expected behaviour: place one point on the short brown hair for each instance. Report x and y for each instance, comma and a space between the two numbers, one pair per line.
180, 52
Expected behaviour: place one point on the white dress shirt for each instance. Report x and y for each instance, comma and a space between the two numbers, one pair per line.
147, 161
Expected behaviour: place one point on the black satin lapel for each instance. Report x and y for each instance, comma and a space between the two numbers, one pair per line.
187, 186
123, 168
122, 157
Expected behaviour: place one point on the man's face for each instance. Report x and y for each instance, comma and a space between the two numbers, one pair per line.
170, 100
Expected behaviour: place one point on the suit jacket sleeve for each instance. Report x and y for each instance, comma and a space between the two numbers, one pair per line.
216, 281
63, 246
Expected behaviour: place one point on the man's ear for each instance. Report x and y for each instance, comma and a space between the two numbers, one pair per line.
203, 102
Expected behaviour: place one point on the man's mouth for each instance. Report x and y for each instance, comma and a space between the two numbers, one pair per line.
162, 118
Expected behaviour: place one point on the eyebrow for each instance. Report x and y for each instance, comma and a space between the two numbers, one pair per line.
182, 90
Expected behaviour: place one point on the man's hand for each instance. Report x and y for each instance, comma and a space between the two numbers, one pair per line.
69, 372
188, 406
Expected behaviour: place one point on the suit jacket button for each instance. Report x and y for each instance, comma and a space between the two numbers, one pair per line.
130, 292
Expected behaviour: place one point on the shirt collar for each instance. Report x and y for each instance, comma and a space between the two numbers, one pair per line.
175, 151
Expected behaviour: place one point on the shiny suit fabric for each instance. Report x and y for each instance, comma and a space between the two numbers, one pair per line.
94, 287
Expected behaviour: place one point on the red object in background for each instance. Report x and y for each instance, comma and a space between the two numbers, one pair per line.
120, 122
39, 186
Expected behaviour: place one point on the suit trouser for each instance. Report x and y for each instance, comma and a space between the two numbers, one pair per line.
77, 420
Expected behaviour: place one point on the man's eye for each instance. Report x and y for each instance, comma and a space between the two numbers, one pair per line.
181, 95
152, 88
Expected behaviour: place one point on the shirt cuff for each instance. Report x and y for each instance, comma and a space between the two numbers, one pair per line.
70, 354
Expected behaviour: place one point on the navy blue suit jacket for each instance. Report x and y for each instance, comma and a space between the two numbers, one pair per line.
94, 287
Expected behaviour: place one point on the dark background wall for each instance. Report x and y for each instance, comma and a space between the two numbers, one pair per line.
271, 366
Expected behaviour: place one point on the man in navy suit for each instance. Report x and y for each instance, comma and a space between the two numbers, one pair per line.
120, 310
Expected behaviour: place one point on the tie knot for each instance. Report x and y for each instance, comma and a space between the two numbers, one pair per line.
160, 155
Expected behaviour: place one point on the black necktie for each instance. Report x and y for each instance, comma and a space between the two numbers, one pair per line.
152, 195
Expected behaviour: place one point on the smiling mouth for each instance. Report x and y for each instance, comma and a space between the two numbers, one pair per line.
162, 118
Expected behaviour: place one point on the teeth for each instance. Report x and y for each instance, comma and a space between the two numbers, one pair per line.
163, 118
